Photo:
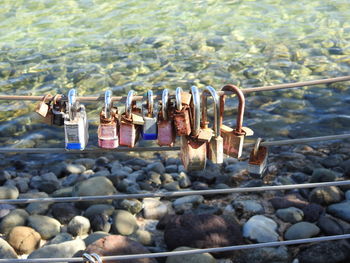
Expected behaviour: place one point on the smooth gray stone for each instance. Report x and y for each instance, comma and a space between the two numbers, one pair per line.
94, 236
195, 258
248, 207
301, 230
265, 255
340, 210
153, 208
123, 223
8, 192
329, 226
17, 217
6, 251
261, 229
192, 199
290, 214
326, 195
60, 238
46, 226
78, 226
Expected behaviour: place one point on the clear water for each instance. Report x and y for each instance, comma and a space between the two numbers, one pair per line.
52, 46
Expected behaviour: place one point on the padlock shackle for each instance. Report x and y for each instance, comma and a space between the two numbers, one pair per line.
108, 104
196, 110
150, 103
241, 106
178, 98
92, 258
165, 102
72, 103
256, 146
128, 104
209, 90
97, 257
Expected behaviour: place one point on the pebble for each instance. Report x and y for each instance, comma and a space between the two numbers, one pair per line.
123, 223
17, 217
5, 209
144, 237
64, 212
261, 229
312, 212
24, 239
301, 230
329, 226
49, 183
46, 226
60, 238
300, 177
38, 208
340, 210
78, 226
153, 208
133, 206
290, 214
288, 201
88, 163
62, 250
264, 255
248, 208
100, 222
347, 195
326, 195
184, 180
192, 199
6, 251
95, 236
119, 245
157, 167
325, 252
8, 192
99, 209
322, 175
74, 169
171, 168
174, 186
195, 258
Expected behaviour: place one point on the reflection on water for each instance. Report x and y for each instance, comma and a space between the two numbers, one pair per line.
52, 46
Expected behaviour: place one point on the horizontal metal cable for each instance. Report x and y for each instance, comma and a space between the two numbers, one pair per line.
139, 98
186, 252
159, 149
171, 194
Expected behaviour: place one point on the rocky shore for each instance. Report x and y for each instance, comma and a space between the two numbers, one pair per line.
130, 226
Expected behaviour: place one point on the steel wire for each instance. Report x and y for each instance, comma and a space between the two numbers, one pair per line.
176, 148
139, 98
171, 194
186, 252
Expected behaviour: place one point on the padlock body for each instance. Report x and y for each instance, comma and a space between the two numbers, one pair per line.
76, 132
257, 164
149, 128
42, 109
57, 118
205, 134
166, 133
108, 136
193, 154
216, 150
127, 134
233, 143
182, 122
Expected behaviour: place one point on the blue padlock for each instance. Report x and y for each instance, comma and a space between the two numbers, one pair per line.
75, 124
149, 129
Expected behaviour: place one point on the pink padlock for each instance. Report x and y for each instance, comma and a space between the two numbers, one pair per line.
108, 128
166, 129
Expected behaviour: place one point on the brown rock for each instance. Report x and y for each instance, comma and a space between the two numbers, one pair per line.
202, 231
288, 201
24, 239
119, 245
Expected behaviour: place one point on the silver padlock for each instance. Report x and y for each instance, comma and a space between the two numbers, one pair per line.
216, 144
149, 128
258, 159
75, 124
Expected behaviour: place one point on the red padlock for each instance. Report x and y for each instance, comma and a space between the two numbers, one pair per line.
166, 130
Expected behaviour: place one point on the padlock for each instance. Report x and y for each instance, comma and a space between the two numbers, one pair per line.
92, 258
166, 130
194, 151
75, 124
108, 129
258, 159
129, 131
43, 107
182, 113
58, 108
233, 138
216, 144
149, 128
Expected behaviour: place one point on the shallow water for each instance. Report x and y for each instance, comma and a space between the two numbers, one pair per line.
52, 46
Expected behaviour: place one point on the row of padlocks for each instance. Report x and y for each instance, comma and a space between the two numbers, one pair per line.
185, 117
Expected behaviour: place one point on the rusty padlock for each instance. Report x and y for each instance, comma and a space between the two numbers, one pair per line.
44, 109
108, 129
216, 144
182, 112
194, 151
234, 138
166, 130
129, 131
258, 159
149, 128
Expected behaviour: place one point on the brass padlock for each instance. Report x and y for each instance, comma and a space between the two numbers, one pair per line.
166, 130
216, 144
182, 112
258, 159
44, 109
194, 151
233, 138
108, 129
149, 128
129, 131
